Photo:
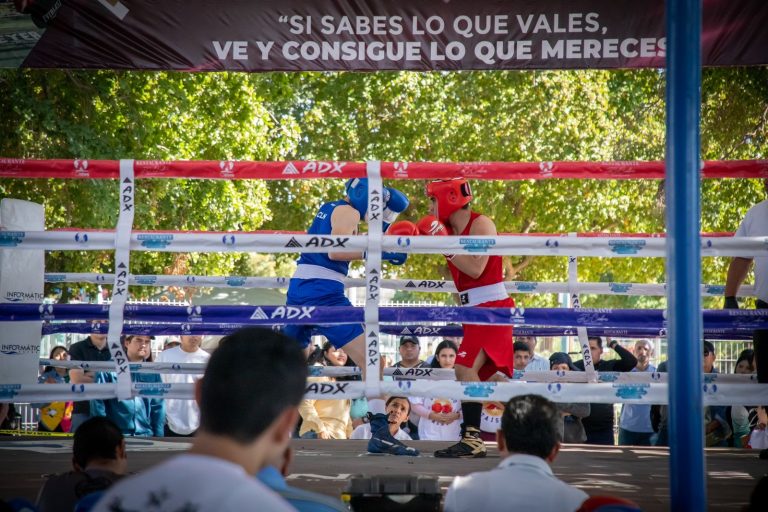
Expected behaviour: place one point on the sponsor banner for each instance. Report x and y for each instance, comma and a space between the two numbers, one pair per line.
108, 169
322, 35
21, 282
606, 393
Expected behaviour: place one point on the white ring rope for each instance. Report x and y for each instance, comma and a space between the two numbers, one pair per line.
415, 285
519, 245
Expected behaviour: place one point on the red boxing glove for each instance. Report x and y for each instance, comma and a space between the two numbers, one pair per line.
403, 228
430, 225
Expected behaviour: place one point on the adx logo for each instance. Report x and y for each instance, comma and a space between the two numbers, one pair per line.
314, 166
293, 243
431, 285
284, 312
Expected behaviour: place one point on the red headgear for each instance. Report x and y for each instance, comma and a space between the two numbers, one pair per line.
450, 195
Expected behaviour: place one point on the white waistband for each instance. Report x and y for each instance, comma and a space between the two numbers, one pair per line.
305, 271
481, 294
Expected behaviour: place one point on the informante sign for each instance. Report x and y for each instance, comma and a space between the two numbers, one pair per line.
365, 35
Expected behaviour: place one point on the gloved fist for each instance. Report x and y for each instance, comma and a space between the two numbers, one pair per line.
731, 303
395, 258
403, 228
394, 203
430, 225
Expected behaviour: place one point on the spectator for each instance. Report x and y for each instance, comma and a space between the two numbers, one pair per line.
326, 419
169, 344
716, 427
522, 355
599, 424
635, 422
136, 416
98, 460
440, 418
537, 363
528, 442
273, 476
743, 418
92, 348
570, 429
248, 402
182, 417
409, 358
384, 431
456, 339
55, 416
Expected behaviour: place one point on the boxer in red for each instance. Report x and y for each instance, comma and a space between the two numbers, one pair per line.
486, 349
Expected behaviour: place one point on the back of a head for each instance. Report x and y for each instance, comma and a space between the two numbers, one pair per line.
96, 438
529, 425
252, 377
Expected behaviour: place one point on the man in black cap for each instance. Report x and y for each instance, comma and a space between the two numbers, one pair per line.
409, 358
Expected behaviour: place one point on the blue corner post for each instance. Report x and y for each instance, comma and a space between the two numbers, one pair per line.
686, 424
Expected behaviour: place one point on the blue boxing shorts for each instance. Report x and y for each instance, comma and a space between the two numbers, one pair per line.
320, 292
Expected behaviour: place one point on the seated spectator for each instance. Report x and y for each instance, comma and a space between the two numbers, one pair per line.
137, 416
569, 429
248, 400
717, 430
326, 419
98, 460
440, 417
599, 424
385, 430
537, 363
273, 476
55, 416
522, 355
524, 480
182, 417
743, 418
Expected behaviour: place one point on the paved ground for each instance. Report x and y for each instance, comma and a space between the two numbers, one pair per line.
324, 466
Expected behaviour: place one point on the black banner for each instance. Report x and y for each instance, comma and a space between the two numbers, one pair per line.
317, 35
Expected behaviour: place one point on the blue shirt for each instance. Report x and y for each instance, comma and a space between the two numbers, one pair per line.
322, 226
137, 416
637, 417
303, 501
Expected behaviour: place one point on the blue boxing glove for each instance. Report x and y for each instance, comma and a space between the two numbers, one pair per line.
395, 258
395, 202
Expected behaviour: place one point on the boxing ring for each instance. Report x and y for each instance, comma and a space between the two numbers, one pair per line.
578, 322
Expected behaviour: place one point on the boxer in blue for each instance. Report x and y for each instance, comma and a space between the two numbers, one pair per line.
319, 277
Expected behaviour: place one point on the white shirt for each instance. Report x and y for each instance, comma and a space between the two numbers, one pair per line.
182, 416
519, 482
192, 482
364, 432
431, 430
755, 223
537, 364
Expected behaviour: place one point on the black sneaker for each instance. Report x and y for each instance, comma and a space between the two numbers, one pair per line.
470, 446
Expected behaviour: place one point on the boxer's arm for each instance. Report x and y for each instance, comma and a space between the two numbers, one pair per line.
344, 221
470, 264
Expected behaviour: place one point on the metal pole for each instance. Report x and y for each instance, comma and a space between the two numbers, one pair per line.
686, 424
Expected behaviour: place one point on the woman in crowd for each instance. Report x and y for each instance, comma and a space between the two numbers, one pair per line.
571, 429
743, 418
55, 416
440, 417
326, 419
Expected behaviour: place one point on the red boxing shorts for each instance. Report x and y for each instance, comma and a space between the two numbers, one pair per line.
495, 341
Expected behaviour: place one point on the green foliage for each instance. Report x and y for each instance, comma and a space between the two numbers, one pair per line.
457, 116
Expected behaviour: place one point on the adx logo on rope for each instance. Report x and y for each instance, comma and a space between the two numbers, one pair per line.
284, 312
426, 284
314, 166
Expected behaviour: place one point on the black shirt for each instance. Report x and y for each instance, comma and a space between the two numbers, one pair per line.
85, 350
601, 415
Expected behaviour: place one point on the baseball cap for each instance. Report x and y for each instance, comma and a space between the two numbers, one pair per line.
560, 358
409, 339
